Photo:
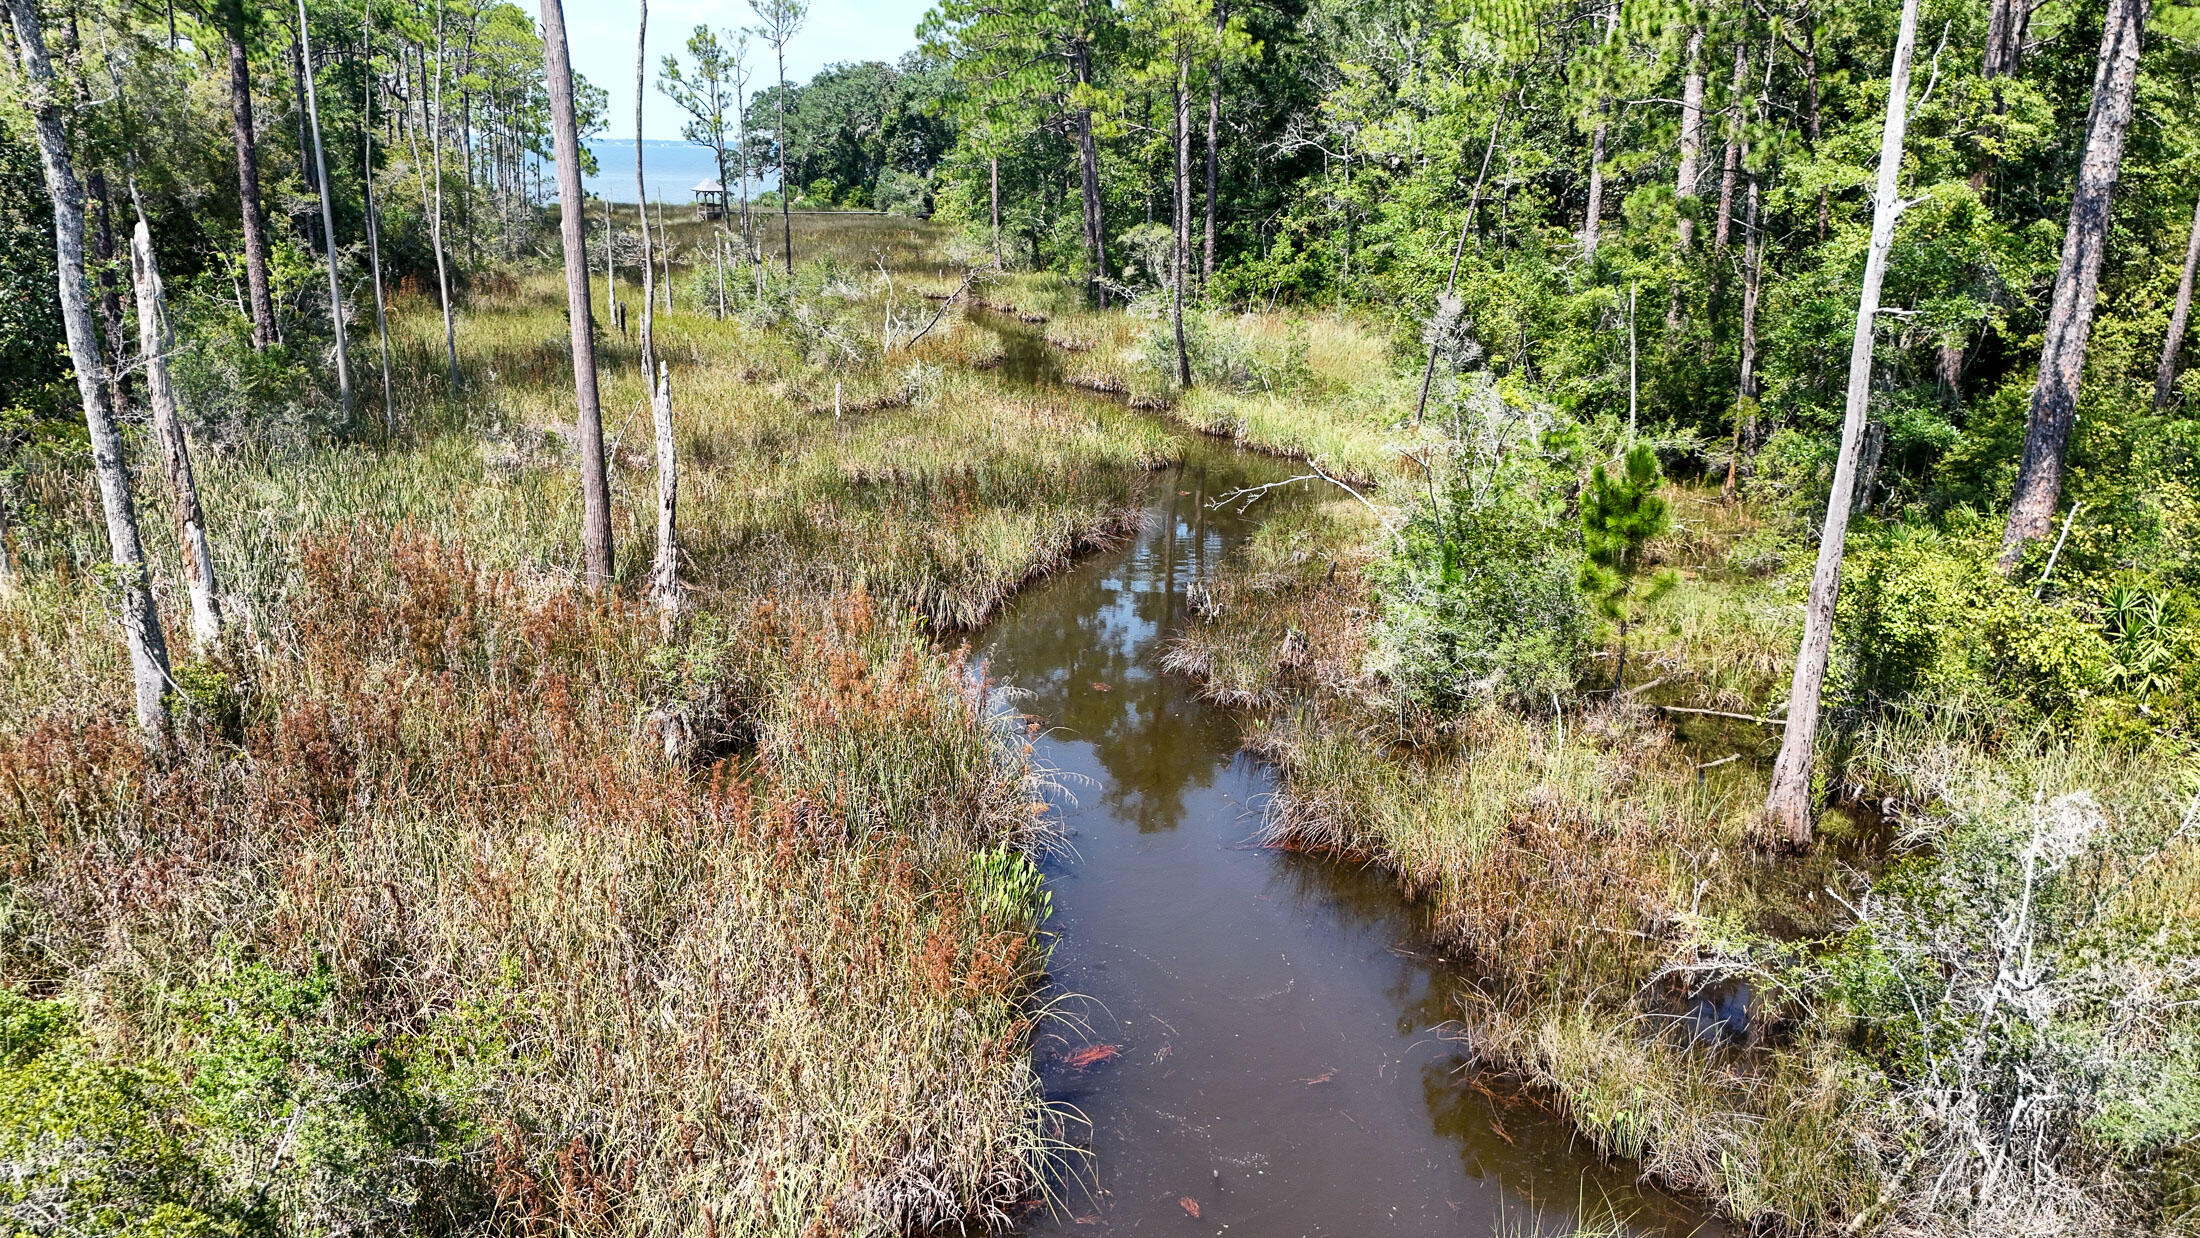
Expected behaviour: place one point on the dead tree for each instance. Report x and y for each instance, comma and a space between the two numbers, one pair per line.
155, 342
2180, 315
328, 215
664, 573
1788, 803
140, 619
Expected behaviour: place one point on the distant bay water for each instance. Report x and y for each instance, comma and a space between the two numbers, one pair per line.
671, 170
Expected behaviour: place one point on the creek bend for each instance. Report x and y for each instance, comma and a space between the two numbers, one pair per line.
1277, 1025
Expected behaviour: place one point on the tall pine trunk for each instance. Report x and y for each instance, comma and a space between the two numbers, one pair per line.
1730, 171
328, 215
1088, 178
993, 174
248, 177
664, 572
1690, 172
374, 228
2180, 315
1214, 158
1788, 804
1745, 402
140, 620
155, 342
779, 143
442, 268
2077, 283
1183, 210
573, 231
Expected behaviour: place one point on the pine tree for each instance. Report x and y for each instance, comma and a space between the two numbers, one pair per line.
1620, 517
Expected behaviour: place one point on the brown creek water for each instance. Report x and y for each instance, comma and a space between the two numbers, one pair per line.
1264, 1045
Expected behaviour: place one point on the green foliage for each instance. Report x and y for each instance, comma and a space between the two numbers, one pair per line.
1620, 517
342, 1123
95, 1147
1924, 615
1478, 593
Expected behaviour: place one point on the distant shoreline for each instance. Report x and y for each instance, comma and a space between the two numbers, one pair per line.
671, 168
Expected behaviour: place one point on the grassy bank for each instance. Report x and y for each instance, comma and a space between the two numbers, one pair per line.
1806, 1041
466, 897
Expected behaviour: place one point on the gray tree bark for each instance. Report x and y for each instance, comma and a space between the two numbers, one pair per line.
573, 230
1214, 156
140, 619
248, 177
155, 342
1788, 803
1183, 211
328, 214
1730, 171
435, 152
664, 574
2077, 283
2180, 316
374, 230
1690, 172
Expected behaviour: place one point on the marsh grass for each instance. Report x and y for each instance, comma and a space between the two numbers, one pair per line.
495, 901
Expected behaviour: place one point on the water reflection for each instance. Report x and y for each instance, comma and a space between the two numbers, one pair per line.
1282, 1065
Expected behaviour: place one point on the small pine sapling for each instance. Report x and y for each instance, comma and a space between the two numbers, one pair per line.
1619, 518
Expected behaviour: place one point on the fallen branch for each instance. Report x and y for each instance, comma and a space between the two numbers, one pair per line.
1721, 713
1246, 496
911, 342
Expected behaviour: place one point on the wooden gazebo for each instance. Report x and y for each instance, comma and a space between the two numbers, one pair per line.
710, 200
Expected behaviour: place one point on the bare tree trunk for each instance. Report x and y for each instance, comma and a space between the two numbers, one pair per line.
2077, 283
664, 573
1788, 803
1183, 211
1088, 180
2005, 23
1730, 173
374, 230
435, 149
1593, 224
611, 270
248, 177
155, 342
1214, 157
140, 620
740, 119
664, 253
993, 170
2165, 374
1745, 405
779, 143
1458, 251
1691, 165
328, 215
573, 230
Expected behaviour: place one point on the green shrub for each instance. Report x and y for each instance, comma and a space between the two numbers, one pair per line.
1478, 596
96, 1148
1920, 614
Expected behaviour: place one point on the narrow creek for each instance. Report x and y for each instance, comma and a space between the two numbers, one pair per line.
1264, 1045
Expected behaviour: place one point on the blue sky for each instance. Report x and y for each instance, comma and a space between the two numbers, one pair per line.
602, 36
